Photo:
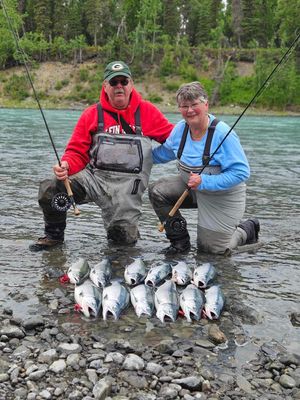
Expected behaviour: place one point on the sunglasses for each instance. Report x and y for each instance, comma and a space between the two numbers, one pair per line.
115, 82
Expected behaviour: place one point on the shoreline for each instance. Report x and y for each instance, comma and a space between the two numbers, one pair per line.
218, 110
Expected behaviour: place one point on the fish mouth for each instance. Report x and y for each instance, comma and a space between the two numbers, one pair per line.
150, 283
132, 281
201, 284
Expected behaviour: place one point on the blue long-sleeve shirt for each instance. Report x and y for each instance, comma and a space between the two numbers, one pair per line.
230, 157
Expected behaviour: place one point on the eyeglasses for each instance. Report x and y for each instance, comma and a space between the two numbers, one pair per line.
115, 82
192, 106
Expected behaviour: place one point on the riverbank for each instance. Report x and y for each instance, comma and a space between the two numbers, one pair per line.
74, 87
44, 358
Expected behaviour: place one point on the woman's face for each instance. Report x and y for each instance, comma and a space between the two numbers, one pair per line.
194, 112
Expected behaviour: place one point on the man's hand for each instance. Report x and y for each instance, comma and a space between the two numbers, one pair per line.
194, 181
61, 171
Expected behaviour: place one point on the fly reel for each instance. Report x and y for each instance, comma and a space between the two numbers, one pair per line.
61, 202
175, 225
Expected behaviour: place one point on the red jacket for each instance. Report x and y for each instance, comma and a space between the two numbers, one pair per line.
153, 124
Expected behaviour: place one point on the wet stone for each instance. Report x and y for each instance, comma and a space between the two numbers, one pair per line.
133, 362
33, 322
192, 382
69, 348
287, 382
12, 331
4, 377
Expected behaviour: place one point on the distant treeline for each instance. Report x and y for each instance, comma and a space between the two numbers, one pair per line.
165, 37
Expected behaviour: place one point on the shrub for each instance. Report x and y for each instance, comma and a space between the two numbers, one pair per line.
17, 87
154, 98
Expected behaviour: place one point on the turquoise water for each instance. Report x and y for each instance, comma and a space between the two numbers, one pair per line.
264, 283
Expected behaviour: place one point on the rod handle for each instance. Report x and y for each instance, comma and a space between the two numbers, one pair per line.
70, 194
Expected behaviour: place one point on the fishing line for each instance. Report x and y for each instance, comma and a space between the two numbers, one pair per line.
281, 62
59, 201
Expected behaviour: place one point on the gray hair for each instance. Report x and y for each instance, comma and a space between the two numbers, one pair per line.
190, 92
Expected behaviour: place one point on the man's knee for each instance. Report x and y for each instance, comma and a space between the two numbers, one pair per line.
123, 234
48, 188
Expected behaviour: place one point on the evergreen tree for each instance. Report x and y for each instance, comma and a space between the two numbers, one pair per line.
43, 17
171, 18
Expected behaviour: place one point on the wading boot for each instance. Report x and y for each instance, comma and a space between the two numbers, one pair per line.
251, 227
54, 236
178, 235
44, 243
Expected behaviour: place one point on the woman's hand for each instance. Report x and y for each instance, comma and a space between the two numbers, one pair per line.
61, 171
194, 181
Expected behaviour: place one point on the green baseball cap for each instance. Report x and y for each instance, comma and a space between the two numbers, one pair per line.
116, 68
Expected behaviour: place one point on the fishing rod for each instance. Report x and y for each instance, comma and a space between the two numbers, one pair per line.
60, 201
258, 93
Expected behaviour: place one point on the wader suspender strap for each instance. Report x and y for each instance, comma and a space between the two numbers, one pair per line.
206, 152
127, 128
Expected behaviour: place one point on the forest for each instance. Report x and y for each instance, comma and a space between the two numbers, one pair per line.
188, 40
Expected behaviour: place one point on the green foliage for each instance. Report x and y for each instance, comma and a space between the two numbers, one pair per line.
83, 75
16, 88
154, 98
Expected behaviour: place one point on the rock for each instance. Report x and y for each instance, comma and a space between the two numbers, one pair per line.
116, 357
37, 375
169, 392
154, 368
216, 335
102, 388
58, 366
12, 331
192, 382
69, 348
287, 382
47, 356
4, 377
33, 322
73, 360
243, 384
22, 352
133, 363
45, 394
206, 344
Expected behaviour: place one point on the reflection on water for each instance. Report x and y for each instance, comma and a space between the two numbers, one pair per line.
261, 287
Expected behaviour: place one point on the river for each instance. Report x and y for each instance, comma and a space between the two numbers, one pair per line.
261, 287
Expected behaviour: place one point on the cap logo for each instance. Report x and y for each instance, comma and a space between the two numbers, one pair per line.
117, 67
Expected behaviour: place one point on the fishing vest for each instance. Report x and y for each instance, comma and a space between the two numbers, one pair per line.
207, 169
115, 152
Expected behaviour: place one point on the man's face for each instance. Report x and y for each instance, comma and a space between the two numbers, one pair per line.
118, 90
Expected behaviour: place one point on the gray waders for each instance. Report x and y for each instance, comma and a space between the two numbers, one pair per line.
115, 180
219, 212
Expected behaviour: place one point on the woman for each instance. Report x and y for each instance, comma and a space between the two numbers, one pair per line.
219, 192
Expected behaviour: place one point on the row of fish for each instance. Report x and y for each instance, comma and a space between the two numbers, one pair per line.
136, 273
95, 288
166, 300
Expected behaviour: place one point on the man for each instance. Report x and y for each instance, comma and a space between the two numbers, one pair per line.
108, 160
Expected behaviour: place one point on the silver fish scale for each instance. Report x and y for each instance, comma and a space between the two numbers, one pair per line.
166, 301
115, 300
181, 273
204, 275
191, 302
157, 274
214, 302
79, 271
135, 272
101, 273
88, 296
142, 300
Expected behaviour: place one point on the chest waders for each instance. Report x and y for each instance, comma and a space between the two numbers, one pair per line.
218, 211
115, 180
121, 166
